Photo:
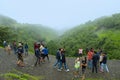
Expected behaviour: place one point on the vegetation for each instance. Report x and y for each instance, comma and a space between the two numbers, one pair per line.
10, 30
17, 75
101, 33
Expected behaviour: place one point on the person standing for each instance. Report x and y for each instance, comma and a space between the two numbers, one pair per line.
104, 63
26, 49
9, 49
80, 52
77, 67
83, 64
89, 58
14, 47
5, 45
37, 54
95, 60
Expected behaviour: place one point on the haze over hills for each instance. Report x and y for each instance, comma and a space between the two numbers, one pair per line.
11, 30
102, 33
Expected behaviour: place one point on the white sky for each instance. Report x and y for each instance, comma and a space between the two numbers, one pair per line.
58, 14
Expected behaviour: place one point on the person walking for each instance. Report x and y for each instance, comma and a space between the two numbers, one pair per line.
63, 61
20, 52
104, 63
45, 53
26, 49
37, 54
57, 58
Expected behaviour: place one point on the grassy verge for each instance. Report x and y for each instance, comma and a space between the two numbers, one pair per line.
17, 75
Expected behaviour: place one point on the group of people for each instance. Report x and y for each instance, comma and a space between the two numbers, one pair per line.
61, 60
40, 52
18, 49
93, 60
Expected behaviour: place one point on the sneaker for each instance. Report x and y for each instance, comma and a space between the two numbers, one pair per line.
67, 70
59, 69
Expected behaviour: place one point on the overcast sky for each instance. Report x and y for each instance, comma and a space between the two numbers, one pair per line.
58, 13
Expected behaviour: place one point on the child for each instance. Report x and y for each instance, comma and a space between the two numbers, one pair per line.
77, 67
84, 64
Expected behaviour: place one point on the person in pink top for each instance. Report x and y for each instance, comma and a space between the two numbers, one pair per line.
80, 52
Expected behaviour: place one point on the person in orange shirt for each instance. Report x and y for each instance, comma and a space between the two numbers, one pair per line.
89, 58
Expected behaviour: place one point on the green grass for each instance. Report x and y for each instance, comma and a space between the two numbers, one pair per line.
17, 75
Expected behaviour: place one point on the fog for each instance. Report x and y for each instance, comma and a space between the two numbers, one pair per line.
60, 15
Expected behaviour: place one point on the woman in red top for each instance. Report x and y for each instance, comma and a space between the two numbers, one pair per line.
89, 58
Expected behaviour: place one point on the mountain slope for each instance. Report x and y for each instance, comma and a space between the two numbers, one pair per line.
29, 33
101, 33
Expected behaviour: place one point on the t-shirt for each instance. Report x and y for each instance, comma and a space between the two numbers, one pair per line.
45, 51
80, 51
90, 55
104, 61
77, 64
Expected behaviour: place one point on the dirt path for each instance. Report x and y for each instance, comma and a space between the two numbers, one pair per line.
8, 62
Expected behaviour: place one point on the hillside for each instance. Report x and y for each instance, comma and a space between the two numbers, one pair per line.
101, 33
29, 33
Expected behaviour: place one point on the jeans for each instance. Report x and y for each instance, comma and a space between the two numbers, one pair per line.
15, 50
94, 67
56, 63
37, 60
104, 67
65, 65
59, 64
90, 64
37, 54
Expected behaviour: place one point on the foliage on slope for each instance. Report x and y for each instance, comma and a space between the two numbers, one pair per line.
101, 33
11, 30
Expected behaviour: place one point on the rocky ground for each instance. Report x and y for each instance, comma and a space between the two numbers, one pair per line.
8, 63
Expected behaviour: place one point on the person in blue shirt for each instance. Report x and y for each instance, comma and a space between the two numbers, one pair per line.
45, 53
26, 49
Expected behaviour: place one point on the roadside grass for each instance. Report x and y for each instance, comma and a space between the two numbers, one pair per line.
17, 75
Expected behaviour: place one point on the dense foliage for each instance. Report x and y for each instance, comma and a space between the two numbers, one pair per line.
10, 30
101, 33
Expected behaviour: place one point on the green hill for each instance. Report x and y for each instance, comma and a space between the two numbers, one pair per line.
11, 30
102, 33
